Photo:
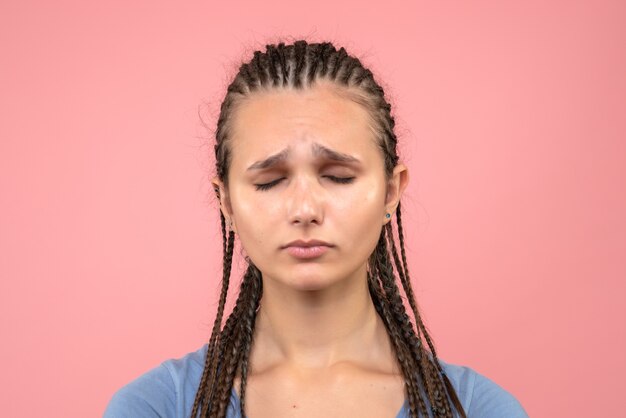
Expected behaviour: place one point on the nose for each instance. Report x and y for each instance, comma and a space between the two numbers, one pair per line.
305, 201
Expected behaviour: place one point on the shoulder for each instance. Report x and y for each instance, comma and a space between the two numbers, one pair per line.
480, 396
167, 390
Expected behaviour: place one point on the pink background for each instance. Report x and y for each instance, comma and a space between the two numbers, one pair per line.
511, 117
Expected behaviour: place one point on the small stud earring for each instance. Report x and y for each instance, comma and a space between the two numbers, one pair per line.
388, 215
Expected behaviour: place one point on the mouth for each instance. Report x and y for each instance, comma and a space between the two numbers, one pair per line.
310, 243
307, 252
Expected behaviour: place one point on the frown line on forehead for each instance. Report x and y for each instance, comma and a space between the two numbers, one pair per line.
318, 151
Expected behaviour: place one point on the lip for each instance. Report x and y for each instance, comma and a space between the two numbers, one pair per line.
307, 252
307, 249
310, 243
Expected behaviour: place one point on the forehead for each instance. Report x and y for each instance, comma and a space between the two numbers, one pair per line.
270, 121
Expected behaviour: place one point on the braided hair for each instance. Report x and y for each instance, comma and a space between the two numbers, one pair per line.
299, 66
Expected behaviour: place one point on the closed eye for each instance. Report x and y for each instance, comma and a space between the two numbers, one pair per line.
267, 186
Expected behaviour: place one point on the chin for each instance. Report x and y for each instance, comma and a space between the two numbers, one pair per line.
305, 276
299, 279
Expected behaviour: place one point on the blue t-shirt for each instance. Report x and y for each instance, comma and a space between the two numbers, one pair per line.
169, 390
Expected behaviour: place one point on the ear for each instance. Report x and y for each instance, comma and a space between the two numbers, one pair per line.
224, 199
395, 188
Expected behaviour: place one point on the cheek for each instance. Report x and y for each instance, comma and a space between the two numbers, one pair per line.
366, 200
361, 214
255, 218
255, 210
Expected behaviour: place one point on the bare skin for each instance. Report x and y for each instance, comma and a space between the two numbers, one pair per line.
320, 349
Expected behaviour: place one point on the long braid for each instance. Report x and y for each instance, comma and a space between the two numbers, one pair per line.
406, 283
230, 354
400, 315
230, 337
228, 262
248, 322
381, 303
227, 250
300, 65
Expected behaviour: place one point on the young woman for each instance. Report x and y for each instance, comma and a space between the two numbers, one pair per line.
309, 180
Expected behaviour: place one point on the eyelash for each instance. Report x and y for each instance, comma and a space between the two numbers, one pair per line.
340, 180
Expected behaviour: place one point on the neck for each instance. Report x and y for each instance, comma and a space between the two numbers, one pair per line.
317, 329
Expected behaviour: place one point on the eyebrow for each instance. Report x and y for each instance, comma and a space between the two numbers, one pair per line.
318, 151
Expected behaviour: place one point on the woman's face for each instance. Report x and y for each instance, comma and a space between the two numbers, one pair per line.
305, 166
